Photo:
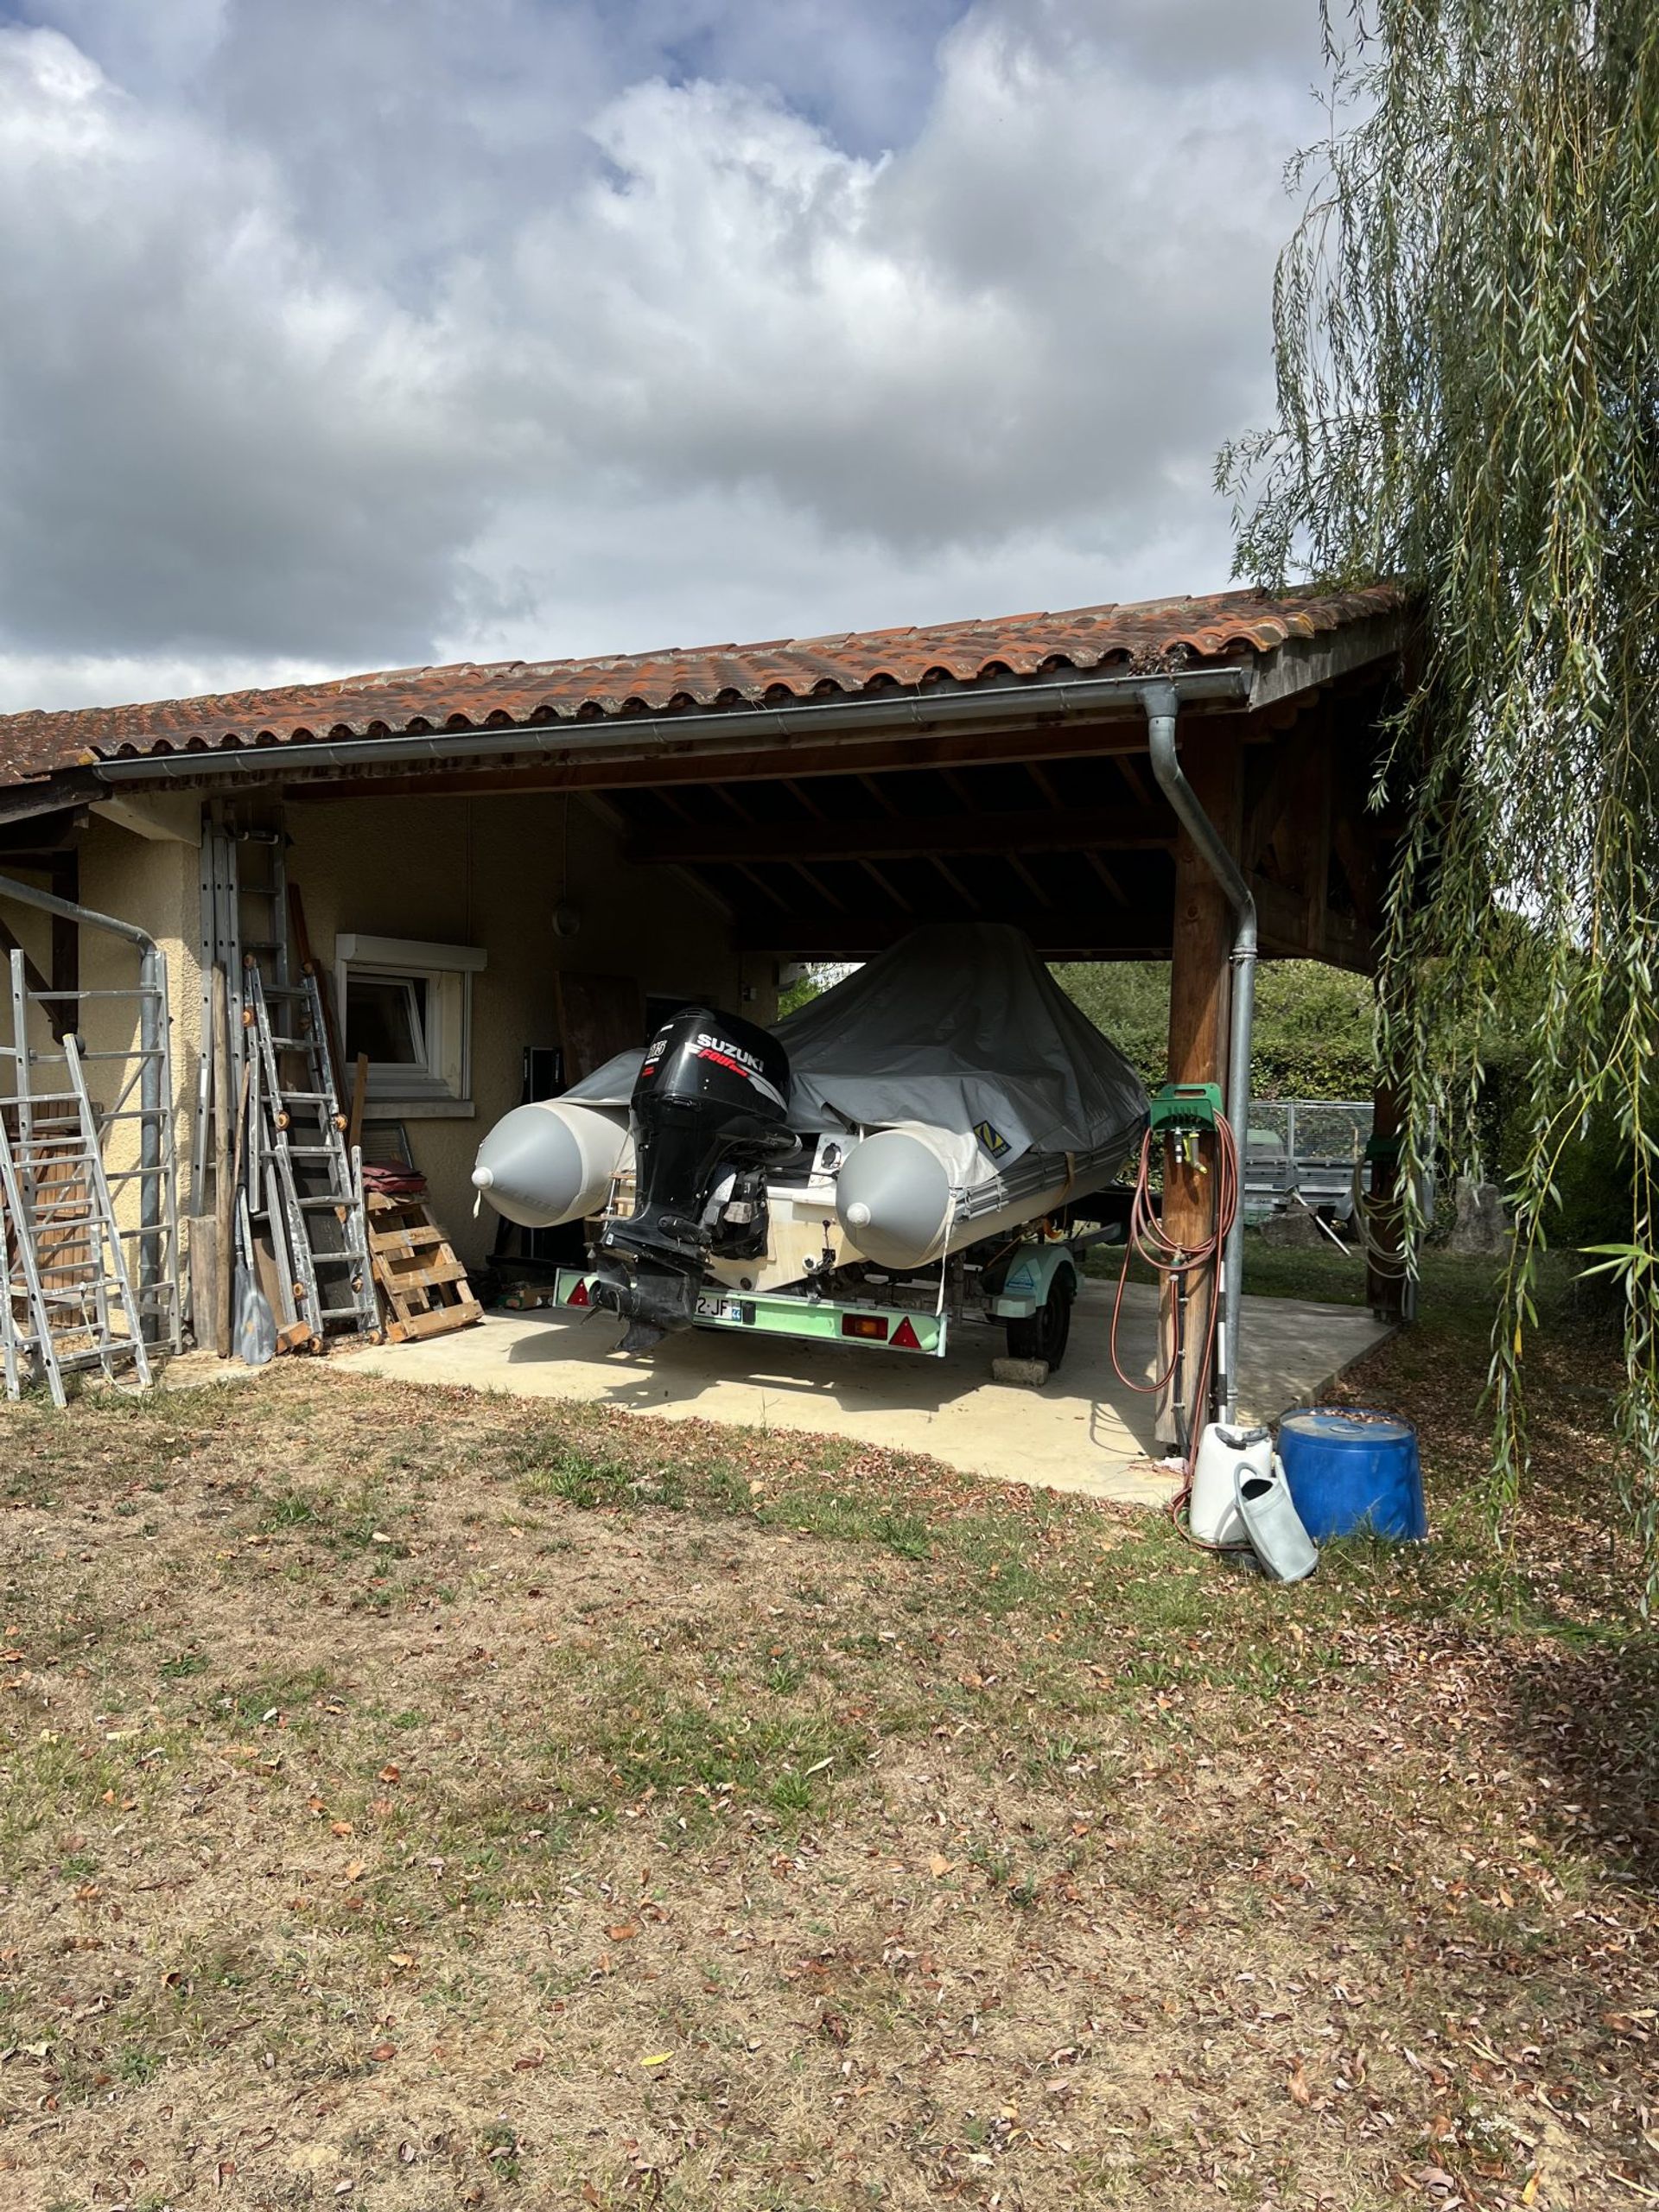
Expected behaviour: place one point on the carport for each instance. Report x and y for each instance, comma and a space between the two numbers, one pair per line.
1084, 1431
695, 819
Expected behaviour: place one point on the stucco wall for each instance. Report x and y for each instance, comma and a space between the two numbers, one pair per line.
32, 931
153, 884
489, 872
485, 871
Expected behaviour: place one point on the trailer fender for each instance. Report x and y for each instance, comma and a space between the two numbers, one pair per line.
1028, 1278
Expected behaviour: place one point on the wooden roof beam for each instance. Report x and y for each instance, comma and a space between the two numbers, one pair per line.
925, 837
1061, 935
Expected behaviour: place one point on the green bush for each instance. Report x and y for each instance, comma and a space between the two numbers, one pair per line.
1313, 1035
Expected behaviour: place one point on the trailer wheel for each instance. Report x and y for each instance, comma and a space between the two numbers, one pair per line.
1044, 1336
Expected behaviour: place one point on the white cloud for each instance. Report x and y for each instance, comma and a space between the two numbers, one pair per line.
359, 335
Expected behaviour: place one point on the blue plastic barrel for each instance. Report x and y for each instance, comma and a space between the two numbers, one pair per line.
1354, 1471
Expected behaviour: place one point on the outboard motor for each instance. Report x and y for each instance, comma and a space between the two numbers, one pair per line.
708, 1114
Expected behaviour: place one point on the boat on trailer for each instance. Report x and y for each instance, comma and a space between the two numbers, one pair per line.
914, 1147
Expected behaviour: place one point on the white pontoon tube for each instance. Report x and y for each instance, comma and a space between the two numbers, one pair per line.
906, 1196
552, 1161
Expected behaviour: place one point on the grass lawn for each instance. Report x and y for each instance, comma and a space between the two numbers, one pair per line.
417, 1799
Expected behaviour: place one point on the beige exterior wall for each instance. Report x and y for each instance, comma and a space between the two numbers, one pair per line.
32, 931
486, 872
153, 884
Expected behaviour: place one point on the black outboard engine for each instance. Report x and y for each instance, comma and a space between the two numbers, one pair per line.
708, 1113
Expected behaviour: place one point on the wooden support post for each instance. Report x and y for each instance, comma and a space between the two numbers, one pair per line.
64, 1015
1200, 996
1385, 1288
213, 1316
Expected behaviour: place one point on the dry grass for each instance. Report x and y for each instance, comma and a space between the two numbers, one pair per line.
417, 1799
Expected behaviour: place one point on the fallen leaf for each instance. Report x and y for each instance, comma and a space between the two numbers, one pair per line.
383, 2050
391, 1773
401, 1959
354, 1871
340, 1827
657, 2059
624, 1934
1297, 2085
938, 1865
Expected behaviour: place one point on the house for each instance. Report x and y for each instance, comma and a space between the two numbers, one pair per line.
498, 862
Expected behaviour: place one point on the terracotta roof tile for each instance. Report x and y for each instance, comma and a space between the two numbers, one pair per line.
1146, 634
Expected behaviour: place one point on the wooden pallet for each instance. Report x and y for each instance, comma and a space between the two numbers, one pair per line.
422, 1286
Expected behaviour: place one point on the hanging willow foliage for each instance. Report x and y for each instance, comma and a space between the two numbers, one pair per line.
1466, 331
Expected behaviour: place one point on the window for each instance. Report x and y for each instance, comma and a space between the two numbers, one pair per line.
408, 1006
386, 1017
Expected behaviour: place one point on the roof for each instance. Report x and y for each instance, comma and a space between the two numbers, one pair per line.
1140, 637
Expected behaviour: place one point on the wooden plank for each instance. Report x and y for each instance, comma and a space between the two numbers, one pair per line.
703, 762
325, 994
400, 1269
64, 875
599, 1017
403, 1280
917, 837
202, 1254
436, 1324
1200, 997
359, 1095
388, 1242
218, 1317
1139, 930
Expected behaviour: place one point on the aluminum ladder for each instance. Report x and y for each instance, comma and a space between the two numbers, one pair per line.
65, 1269
243, 910
303, 1183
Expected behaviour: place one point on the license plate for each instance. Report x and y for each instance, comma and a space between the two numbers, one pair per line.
719, 1309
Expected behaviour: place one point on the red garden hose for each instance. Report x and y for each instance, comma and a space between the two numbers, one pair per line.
1148, 1241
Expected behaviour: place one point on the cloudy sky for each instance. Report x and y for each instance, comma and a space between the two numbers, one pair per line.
349, 333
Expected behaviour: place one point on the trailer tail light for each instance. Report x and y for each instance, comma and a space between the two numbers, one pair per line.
873, 1325
579, 1295
904, 1337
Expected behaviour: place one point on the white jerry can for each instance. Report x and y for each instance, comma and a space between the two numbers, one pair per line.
1286, 1552
1224, 1454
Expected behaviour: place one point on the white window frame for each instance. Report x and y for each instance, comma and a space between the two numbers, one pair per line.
443, 1085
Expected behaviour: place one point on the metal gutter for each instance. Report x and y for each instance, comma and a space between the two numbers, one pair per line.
49, 903
1161, 700
1043, 700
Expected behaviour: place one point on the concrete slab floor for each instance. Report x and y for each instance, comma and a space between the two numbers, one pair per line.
1084, 1431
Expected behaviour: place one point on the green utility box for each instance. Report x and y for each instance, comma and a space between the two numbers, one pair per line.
1186, 1109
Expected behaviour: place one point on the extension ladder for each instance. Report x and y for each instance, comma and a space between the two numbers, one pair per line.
303, 1180
68, 1301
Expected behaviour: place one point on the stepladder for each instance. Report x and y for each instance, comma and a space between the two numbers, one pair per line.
304, 1182
69, 1306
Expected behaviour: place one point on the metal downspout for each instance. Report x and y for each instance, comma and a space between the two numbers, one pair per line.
1161, 702
154, 1076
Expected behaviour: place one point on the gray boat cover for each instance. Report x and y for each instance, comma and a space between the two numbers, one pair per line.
960, 1027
